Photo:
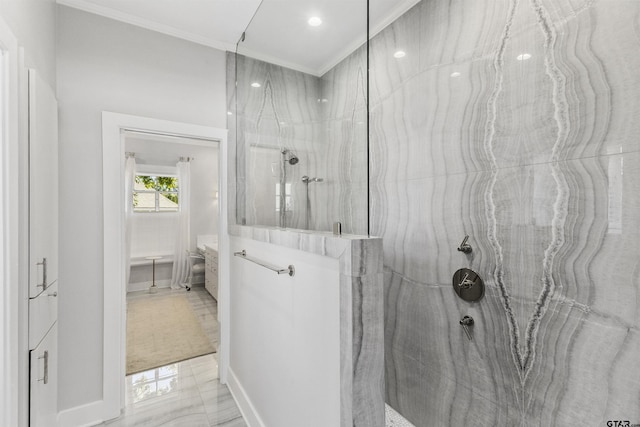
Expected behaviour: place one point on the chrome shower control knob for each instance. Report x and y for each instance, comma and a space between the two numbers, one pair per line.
468, 285
466, 322
464, 246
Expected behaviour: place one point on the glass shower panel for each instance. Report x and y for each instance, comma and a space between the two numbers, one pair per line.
301, 118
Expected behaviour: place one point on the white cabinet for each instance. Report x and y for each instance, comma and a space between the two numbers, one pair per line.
43, 313
43, 252
43, 185
43, 410
211, 271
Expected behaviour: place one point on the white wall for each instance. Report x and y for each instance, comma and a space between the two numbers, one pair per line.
285, 336
108, 65
204, 205
33, 22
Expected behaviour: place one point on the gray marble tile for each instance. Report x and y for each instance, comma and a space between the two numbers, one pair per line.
345, 87
513, 122
361, 313
459, 30
187, 393
388, 72
580, 278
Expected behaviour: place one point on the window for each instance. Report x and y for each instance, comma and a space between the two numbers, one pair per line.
288, 205
155, 193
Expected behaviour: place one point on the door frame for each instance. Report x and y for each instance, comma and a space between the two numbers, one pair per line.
13, 383
113, 160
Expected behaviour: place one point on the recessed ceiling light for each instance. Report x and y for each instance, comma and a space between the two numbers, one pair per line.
255, 84
455, 74
229, 113
399, 54
523, 56
314, 21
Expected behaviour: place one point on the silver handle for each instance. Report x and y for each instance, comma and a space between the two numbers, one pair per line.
290, 270
466, 283
44, 274
337, 228
466, 322
45, 356
464, 246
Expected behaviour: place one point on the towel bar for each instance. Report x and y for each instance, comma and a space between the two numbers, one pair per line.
290, 270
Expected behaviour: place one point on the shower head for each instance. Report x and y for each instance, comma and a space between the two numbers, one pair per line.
292, 158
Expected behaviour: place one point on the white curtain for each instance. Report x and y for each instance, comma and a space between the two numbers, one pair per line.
181, 266
129, 181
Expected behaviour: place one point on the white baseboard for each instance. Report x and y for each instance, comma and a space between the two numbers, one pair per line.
82, 416
249, 413
144, 286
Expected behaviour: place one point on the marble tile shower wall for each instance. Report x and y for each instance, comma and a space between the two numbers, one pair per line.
344, 164
283, 113
515, 122
320, 119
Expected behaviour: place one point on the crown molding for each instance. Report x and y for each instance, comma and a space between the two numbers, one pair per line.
376, 28
147, 24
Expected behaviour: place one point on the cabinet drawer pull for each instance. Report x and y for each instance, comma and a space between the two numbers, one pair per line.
44, 274
45, 378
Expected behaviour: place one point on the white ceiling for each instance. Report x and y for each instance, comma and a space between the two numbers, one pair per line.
278, 34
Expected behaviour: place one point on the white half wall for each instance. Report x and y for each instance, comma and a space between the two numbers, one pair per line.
105, 65
285, 337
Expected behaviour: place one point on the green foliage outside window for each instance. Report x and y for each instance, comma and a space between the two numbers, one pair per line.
160, 183
154, 193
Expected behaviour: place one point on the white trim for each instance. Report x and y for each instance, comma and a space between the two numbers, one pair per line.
286, 64
113, 124
398, 11
247, 409
401, 8
81, 416
142, 169
144, 286
108, 12
10, 303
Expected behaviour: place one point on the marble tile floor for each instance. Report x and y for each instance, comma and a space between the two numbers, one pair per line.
186, 393
203, 304
189, 393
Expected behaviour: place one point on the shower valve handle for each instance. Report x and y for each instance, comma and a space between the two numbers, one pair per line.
464, 246
466, 322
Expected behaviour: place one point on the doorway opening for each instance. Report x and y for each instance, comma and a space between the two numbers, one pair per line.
160, 146
171, 237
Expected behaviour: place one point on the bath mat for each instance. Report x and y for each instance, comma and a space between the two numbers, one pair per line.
163, 330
